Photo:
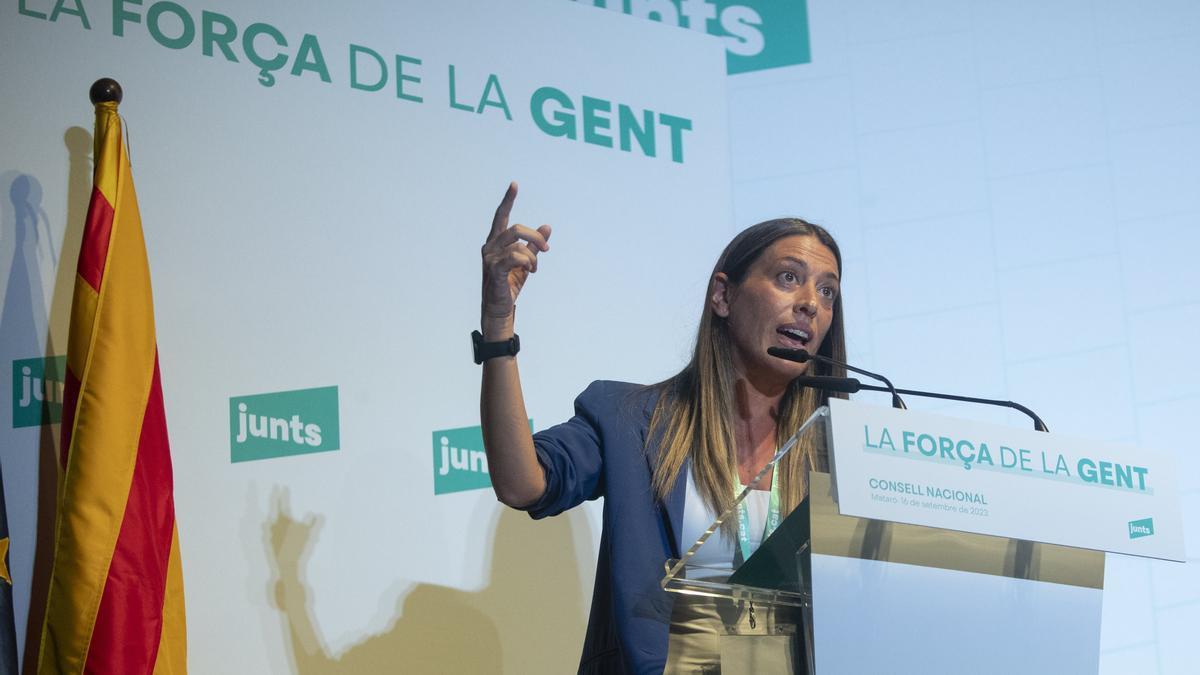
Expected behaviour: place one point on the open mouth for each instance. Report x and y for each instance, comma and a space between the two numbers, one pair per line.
795, 338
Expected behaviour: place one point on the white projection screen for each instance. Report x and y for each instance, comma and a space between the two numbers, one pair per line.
1013, 185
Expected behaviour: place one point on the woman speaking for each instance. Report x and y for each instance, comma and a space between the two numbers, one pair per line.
668, 458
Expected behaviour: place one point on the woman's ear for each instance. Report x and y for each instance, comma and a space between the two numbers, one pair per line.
720, 295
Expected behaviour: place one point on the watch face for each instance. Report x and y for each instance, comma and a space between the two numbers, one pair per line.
476, 341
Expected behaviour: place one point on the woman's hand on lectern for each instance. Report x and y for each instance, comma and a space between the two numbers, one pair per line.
510, 255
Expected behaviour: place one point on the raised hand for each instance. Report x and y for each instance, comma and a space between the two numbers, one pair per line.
510, 255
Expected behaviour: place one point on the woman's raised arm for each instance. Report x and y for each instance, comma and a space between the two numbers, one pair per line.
510, 255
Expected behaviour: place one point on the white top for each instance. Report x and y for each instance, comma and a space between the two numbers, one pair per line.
718, 550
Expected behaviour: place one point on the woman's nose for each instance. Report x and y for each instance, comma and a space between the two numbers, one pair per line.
806, 301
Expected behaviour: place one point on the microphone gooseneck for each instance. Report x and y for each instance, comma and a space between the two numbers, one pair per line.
804, 356
850, 385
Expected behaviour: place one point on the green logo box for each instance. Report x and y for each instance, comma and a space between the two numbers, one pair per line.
783, 33
283, 423
758, 34
1141, 528
459, 461
37, 390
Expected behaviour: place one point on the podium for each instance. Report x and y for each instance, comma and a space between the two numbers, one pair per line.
848, 594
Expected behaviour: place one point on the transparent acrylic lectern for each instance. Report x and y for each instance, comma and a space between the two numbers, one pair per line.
772, 582
852, 595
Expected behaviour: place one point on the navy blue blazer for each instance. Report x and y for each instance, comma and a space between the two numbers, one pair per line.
601, 452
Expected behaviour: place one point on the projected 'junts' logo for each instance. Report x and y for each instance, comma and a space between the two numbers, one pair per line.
283, 423
37, 390
1141, 528
758, 34
459, 461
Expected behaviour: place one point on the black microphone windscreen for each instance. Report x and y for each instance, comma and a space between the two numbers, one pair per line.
797, 355
847, 385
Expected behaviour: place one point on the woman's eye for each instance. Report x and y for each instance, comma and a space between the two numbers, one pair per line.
828, 292
787, 277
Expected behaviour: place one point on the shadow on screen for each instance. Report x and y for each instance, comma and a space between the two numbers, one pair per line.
529, 618
27, 318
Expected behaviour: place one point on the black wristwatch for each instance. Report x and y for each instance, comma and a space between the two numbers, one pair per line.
488, 350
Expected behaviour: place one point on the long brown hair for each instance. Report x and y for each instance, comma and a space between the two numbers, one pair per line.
695, 411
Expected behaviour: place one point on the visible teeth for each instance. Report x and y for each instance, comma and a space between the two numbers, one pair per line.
798, 334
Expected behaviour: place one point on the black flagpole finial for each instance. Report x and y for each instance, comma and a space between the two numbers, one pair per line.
104, 90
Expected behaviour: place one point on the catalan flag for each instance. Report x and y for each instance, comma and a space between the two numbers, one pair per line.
115, 602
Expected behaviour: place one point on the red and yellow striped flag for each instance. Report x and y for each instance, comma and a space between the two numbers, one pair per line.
115, 602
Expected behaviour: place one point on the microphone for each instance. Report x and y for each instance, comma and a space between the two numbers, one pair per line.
797, 355
803, 356
847, 385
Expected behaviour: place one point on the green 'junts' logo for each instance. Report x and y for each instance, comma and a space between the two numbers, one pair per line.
279, 424
758, 34
37, 390
459, 461
1141, 528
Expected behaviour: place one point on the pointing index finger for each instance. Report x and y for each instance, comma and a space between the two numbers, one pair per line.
500, 220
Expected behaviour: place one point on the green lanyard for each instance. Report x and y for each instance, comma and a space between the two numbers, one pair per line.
744, 519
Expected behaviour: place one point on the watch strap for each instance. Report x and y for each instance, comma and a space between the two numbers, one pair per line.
490, 350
